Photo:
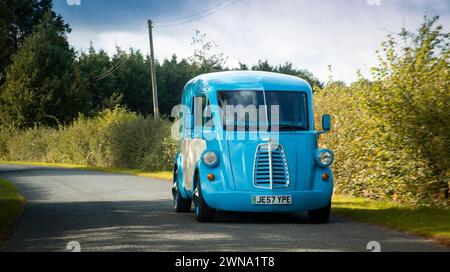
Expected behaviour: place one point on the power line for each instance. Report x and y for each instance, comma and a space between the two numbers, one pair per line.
112, 69
192, 15
211, 12
220, 8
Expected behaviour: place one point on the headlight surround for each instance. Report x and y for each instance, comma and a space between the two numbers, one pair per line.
325, 157
210, 158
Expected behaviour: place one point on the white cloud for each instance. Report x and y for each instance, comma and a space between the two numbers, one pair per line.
311, 34
374, 2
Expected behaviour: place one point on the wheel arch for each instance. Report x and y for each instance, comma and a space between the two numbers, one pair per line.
195, 180
178, 166
199, 169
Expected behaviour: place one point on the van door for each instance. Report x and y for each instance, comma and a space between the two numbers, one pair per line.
193, 146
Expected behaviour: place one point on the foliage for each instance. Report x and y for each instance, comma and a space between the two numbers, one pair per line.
204, 58
288, 70
95, 88
18, 20
114, 138
172, 76
103, 82
38, 80
412, 95
391, 135
132, 80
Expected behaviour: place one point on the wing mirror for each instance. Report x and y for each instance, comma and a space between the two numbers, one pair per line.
326, 122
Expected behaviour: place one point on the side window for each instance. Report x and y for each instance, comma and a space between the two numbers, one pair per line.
207, 115
202, 116
197, 116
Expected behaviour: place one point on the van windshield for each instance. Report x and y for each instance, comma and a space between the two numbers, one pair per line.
259, 105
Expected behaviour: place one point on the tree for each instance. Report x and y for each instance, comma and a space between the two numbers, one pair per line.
38, 80
94, 84
263, 66
243, 67
172, 77
302, 73
132, 80
288, 69
18, 20
204, 57
412, 96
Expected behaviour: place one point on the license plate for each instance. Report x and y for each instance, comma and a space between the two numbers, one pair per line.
272, 200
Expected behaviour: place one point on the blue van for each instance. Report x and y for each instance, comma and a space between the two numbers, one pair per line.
248, 144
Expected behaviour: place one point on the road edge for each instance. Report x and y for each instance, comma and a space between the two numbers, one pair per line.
12, 204
161, 175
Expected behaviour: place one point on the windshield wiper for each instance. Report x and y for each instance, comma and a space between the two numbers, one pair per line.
292, 126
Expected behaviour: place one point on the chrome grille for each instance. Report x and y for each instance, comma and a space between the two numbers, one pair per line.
271, 169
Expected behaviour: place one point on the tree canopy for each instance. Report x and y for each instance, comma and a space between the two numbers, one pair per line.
38, 81
18, 20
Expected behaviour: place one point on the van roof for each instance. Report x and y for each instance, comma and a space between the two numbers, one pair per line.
245, 80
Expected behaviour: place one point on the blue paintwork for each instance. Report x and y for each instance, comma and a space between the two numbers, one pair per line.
233, 188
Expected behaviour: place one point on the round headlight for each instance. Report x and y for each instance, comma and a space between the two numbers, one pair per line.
210, 158
325, 158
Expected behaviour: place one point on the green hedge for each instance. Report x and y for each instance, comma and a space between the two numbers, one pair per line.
391, 135
115, 138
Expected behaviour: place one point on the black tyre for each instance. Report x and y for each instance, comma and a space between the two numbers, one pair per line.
181, 205
203, 213
320, 216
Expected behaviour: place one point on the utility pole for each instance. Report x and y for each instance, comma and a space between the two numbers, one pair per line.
153, 72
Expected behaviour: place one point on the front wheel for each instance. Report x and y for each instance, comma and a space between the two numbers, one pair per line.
203, 212
320, 216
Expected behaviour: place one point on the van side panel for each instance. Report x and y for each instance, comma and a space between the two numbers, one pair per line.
191, 149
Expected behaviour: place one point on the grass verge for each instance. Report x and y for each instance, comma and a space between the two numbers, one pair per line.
430, 222
164, 175
11, 206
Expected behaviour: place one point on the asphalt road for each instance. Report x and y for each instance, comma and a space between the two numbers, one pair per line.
109, 212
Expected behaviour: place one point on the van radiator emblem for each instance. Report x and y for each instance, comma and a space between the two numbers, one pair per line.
271, 168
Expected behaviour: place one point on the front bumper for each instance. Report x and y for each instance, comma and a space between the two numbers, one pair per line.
242, 201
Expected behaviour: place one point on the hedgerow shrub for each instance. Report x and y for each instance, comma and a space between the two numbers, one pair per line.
4, 137
115, 138
391, 135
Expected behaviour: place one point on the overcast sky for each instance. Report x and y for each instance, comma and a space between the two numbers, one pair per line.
310, 33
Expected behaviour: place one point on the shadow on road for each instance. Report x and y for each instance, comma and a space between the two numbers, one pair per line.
152, 226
